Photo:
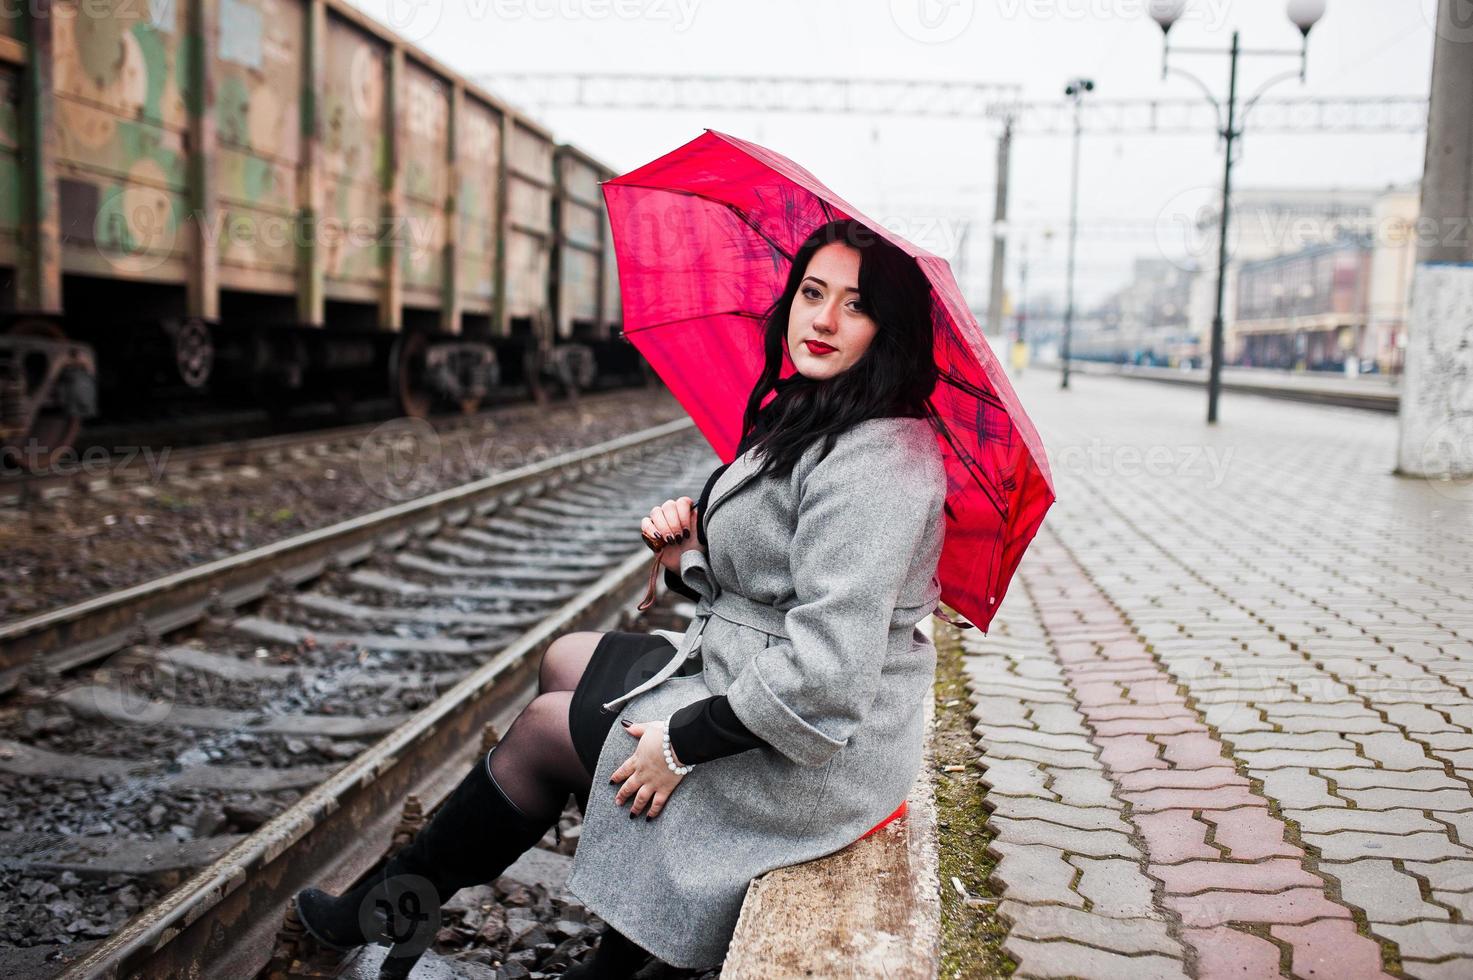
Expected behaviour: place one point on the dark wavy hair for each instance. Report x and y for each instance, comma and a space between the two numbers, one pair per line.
894, 376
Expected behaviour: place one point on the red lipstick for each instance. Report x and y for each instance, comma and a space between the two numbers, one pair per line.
818, 347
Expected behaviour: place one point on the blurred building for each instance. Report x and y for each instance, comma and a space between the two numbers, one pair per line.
1267, 222
1334, 304
1146, 322
1307, 310
1392, 263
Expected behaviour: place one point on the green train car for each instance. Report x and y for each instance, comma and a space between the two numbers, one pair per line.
266, 199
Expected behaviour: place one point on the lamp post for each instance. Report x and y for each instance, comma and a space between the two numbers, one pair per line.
1304, 14
1075, 90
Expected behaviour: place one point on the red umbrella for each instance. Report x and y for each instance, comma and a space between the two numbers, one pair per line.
704, 237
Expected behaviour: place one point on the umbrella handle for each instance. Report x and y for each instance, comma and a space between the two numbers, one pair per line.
655, 566
960, 624
649, 594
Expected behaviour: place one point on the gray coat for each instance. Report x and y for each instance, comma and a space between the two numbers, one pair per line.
807, 622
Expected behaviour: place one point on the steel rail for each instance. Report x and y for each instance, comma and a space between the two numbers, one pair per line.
222, 922
83, 632
143, 462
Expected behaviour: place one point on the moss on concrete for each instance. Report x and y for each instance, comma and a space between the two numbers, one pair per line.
971, 933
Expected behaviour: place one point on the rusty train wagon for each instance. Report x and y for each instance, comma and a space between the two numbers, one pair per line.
590, 351
264, 199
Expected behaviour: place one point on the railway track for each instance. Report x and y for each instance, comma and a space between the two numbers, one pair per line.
131, 461
1371, 394
242, 725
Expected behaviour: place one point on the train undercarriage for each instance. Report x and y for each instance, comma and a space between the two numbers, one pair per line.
52, 380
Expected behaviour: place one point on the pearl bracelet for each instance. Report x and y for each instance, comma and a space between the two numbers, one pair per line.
669, 755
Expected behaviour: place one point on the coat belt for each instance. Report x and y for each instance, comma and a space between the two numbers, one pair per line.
728, 605
737, 608
734, 608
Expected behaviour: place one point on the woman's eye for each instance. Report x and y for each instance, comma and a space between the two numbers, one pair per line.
810, 292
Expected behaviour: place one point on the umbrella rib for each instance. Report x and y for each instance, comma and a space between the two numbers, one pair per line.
760, 233
967, 387
688, 319
726, 204
971, 465
968, 461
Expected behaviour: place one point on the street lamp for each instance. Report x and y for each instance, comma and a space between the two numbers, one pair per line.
1075, 90
1303, 14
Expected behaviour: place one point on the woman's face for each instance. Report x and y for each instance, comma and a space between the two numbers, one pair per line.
828, 328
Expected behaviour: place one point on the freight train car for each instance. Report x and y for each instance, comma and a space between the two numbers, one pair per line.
585, 284
261, 199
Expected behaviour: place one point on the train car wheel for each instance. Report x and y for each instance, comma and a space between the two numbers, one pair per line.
574, 367
407, 381
37, 444
194, 352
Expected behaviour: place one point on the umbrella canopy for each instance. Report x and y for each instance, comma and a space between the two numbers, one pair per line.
704, 237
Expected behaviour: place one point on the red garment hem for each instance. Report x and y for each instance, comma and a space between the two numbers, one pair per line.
899, 812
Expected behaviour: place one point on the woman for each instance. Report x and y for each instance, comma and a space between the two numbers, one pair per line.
788, 721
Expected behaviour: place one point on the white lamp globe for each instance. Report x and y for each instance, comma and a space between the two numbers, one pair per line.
1305, 13
1166, 12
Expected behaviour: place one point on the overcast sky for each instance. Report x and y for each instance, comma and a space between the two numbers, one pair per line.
926, 177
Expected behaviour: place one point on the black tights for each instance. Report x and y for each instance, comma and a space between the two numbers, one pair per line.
535, 764
536, 767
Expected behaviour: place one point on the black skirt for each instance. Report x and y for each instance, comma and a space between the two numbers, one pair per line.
620, 663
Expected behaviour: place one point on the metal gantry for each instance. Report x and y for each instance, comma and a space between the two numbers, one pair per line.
999, 103
940, 99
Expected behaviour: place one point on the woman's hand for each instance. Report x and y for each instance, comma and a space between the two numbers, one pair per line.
646, 778
673, 522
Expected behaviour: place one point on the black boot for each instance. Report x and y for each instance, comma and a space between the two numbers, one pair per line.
617, 958
475, 835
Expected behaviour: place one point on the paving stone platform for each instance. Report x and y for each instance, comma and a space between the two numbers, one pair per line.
1224, 710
